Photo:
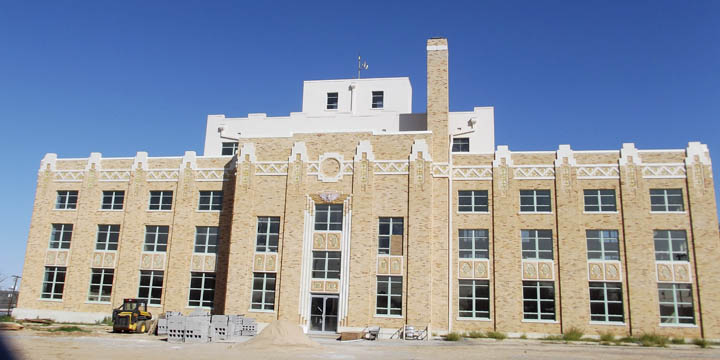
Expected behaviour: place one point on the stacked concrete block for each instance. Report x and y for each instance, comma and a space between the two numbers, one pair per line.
176, 329
162, 327
197, 329
249, 327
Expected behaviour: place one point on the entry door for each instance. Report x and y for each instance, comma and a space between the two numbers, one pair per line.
323, 313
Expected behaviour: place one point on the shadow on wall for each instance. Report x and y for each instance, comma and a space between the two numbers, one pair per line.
413, 122
223, 246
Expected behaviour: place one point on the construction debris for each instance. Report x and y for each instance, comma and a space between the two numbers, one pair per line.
281, 333
201, 327
39, 321
10, 326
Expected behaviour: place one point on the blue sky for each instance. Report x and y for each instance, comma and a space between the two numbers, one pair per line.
122, 77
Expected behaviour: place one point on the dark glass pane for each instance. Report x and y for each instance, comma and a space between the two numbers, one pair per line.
597, 308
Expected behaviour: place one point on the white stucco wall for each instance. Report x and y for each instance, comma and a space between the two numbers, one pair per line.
478, 125
355, 96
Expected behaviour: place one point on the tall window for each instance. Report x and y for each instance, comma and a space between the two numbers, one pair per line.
151, 284
210, 200
676, 304
535, 201
66, 200
377, 99
113, 200
474, 299
332, 101
229, 148
328, 217
326, 265
101, 282
61, 236
390, 236
53, 283
206, 239
606, 302
602, 245
474, 244
156, 238
263, 292
160, 200
268, 233
473, 201
389, 295
599, 200
461, 144
671, 245
202, 289
107, 237
538, 300
537, 244
666, 200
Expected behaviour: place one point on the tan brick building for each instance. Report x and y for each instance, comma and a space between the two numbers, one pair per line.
358, 213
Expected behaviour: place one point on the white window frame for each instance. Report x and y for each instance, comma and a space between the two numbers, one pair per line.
391, 222
155, 231
336, 105
54, 282
601, 237
375, 104
161, 195
666, 200
533, 236
597, 194
232, 145
474, 236
262, 238
117, 200
667, 237
538, 300
264, 304
152, 275
57, 236
474, 312
62, 201
211, 195
534, 195
328, 224
607, 317
204, 288
324, 259
388, 311
102, 285
104, 240
474, 195
460, 145
203, 235
675, 318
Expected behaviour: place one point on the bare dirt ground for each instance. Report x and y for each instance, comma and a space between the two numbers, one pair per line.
100, 343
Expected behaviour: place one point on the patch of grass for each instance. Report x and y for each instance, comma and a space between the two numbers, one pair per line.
475, 334
573, 334
7, 318
496, 335
523, 336
453, 336
607, 337
701, 343
628, 339
653, 339
677, 341
68, 329
553, 337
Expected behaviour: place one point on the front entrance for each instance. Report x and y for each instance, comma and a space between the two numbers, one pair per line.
323, 313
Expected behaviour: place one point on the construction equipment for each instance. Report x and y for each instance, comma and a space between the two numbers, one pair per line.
132, 316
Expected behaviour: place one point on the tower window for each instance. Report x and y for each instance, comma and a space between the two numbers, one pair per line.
332, 101
461, 145
378, 98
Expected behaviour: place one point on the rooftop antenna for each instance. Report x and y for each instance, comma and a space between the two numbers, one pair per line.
362, 65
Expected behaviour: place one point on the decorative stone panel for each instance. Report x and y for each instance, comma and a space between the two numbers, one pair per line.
327, 241
203, 262
538, 270
103, 259
317, 286
389, 265
674, 272
332, 286
265, 262
604, 271
600, 171
325, 286
57, 257
474, 269
152, 261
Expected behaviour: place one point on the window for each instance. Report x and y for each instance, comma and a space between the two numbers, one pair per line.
599, 200
60, 236
328, 217
602, 245
389, 295
332, 101
101, 282
210, 200
326, 265
461, 145
538, 300
53, 283
107, 237
268, 233
390, 236
66, 200
537, 244
474, 299
535, 201
156, 238
263, 293
671, 245
606, 302
113, 200
666, 200
474, 244
377, 99
160, 200
229, 148
202, 289
206, 239
151, 284
473, 201
676, 304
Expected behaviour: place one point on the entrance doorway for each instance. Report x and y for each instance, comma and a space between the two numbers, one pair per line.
323, 313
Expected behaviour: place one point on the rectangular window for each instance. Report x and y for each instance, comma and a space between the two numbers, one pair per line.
666, 200
328, 217
676, 304
599, 200
474, 299
202, 289
113, 200
151, 284
156, 238
66, 200
160, 200
107, 237
473, 201
332, 101
263, 292
390, 235
229, 148
101, 282
210, 200
538, 300
206, 239
461, 145
671, 245
537, 244
268, 233
474, 244
377, 99
326, 265
61, 236
535, 201
389, 295
602, 245
53, 283
606, 302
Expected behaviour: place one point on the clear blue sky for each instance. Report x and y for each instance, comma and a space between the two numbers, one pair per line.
118, 77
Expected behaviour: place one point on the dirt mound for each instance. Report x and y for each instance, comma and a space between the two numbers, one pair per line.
281, 333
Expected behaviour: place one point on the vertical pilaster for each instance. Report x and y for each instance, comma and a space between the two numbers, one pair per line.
438, 98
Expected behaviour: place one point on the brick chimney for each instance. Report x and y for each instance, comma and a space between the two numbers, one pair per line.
437, 97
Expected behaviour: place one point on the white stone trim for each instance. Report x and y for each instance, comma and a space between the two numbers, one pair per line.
60, 315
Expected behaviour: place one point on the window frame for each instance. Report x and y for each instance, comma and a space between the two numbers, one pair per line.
602, 286
391, 221
389, 310
538, 301
328, 104
669, 241
155, 243
114, 204
104, 239
601, 238
598, 195
462, 146
151, 275
535, 238
103, 274
205, 278
62, 200
233, 147
162, 195
203, 234
54, 283
474, 207
374, 104
675, 303
58, 239
326, 259
328, 225
267, 235
264, 305
474, 299
535, 205
474, 235
212, 204
666, 206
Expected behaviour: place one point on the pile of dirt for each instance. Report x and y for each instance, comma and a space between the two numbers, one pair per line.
281, 333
